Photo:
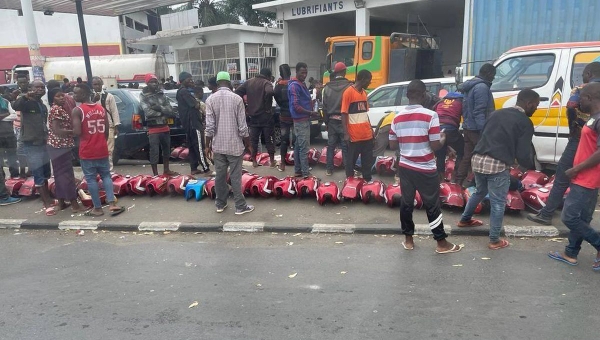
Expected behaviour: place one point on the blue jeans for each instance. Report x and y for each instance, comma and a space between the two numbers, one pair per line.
39, 162
302, 132
497, 187
92, 167
577, 215
335, 136
561, 181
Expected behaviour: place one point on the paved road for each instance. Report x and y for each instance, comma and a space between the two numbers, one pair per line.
284, 212
117, 285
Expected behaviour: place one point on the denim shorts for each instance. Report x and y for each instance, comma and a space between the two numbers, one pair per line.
38, 162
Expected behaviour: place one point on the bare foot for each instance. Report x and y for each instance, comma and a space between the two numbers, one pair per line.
409, 243
170, 173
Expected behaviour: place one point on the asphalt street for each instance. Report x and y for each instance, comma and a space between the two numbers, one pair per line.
115, 285
271, 210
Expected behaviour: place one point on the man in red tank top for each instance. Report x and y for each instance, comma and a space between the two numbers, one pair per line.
90, 123
581, 201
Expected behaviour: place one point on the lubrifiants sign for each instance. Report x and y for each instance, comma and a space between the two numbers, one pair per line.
316, 9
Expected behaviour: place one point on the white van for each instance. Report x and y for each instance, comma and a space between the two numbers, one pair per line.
552, 70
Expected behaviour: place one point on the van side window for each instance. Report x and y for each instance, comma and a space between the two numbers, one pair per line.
580, 61
367, 50
523, 72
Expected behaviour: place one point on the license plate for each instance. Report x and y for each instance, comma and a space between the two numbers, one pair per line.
170, 121
314, 122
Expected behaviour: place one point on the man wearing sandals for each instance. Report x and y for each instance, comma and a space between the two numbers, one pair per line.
90, 123
416, 131
580, 203
506, 136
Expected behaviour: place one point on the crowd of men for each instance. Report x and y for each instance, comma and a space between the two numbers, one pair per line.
237, 117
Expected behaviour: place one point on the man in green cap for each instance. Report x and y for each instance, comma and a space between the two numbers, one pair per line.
226, 139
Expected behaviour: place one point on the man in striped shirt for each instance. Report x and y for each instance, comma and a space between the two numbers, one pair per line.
416, 131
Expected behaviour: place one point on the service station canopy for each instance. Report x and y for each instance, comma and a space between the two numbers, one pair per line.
92, 7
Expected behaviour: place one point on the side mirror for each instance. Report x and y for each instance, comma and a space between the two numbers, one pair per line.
459, 74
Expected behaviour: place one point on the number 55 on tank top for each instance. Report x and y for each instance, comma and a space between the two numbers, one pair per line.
92, 141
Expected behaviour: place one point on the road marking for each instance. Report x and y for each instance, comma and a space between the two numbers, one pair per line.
159, 226
333, 228
11, 223
250, 227
76, 225
530, 231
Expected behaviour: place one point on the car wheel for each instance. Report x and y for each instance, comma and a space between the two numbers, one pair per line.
116, 157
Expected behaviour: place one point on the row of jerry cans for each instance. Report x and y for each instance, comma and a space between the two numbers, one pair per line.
353, 189
122, 185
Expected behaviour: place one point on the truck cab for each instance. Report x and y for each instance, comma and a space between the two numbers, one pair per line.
552, 70
399, 57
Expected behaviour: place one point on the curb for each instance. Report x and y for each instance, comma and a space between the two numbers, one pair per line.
257, 227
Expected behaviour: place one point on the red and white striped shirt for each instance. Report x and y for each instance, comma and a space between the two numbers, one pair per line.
414, 127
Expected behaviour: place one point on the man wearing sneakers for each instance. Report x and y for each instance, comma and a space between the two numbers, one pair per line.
416, 132
332, 108
577, 120
226, 138
506, 136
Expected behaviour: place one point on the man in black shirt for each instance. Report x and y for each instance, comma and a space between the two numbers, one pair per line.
34, 135
286, 123
506, 136
189, 113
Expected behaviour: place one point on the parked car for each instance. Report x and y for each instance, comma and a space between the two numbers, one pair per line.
173, 94
392, 97
133, 133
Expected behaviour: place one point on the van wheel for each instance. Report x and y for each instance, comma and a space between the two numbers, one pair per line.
536, 164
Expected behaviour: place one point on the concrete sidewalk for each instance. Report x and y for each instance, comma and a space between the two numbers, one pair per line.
271, 215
